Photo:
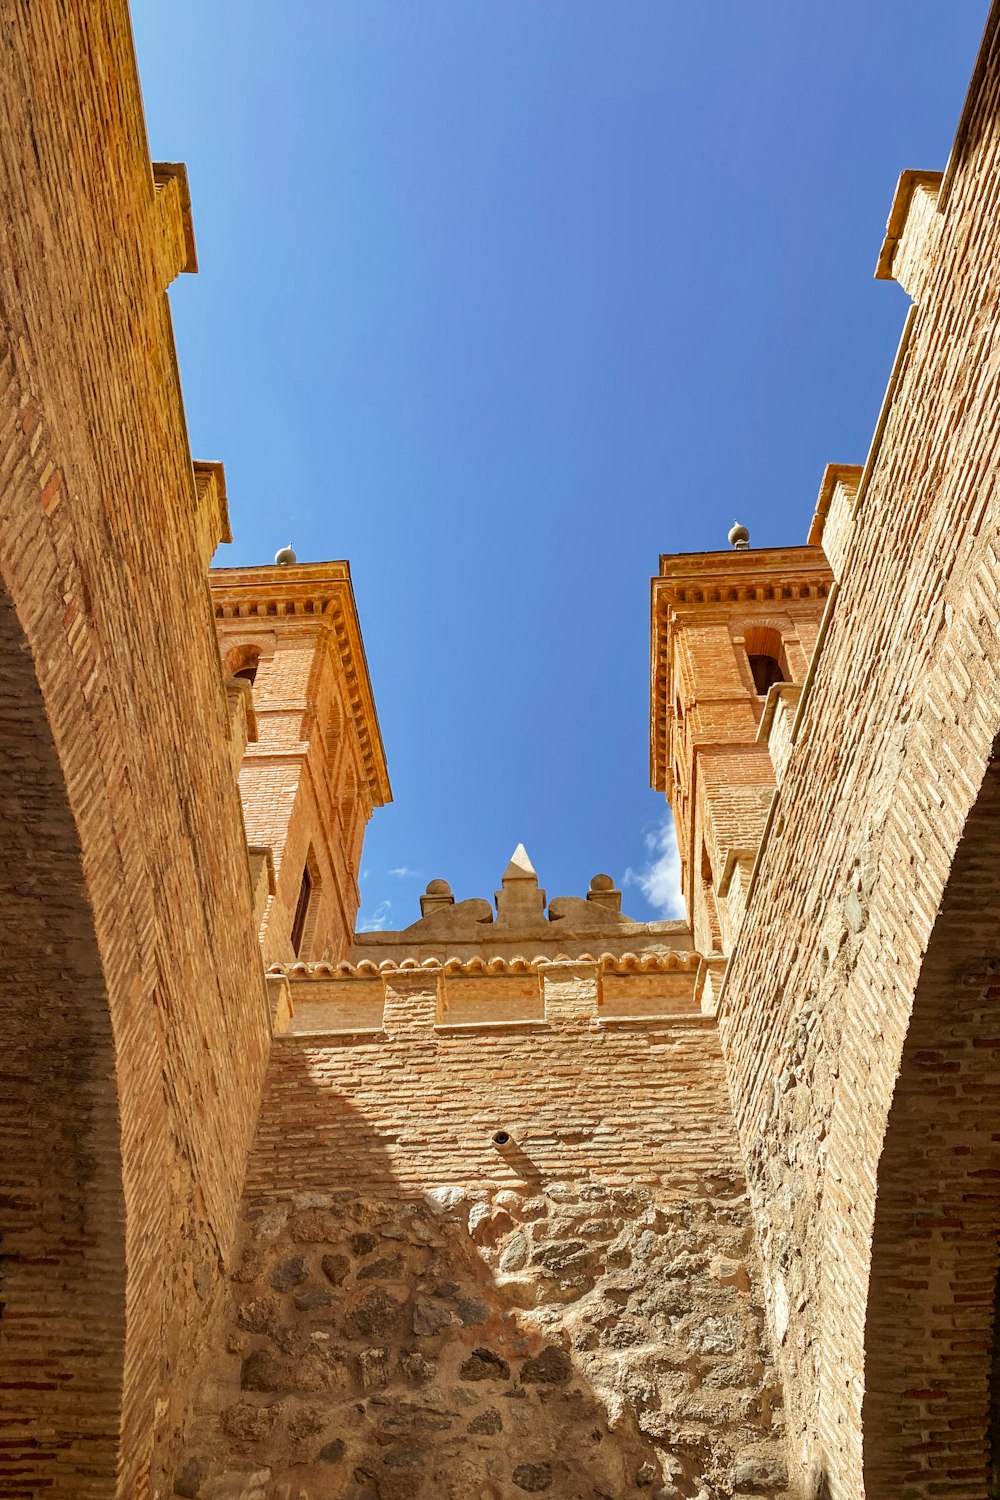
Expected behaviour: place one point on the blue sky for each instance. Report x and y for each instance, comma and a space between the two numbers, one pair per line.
500, 299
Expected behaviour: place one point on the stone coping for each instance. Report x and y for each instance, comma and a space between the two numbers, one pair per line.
360, 1035
336, 1036
667, 1018
348, 1035
459, 1028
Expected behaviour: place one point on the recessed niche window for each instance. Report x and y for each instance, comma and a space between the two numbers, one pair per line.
338, 1005
304, 918
243, 662
490, 1000
766, 657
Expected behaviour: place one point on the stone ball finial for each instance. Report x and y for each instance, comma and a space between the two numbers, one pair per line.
602, 883
284, 557
739, 537
438, 888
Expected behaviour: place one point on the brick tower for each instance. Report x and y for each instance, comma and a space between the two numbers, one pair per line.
732, 635
312, 765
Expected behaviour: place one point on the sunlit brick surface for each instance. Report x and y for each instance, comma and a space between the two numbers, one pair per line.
136, 1035
862, 915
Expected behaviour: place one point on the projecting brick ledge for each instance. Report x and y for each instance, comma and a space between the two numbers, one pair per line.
624, 963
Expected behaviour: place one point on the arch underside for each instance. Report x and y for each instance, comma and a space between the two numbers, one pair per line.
62, 1233
929, 1332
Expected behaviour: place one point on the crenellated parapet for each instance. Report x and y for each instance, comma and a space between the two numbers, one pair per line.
520, 919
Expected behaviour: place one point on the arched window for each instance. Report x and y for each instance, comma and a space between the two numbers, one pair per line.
766, 654
243, 662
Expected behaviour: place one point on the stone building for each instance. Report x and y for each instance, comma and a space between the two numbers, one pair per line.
528, 1197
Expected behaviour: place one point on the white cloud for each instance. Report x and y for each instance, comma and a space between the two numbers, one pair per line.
403, 872
659, 879
378, 919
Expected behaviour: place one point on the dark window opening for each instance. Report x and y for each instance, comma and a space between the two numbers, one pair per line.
301, 911
766, 672
243, 661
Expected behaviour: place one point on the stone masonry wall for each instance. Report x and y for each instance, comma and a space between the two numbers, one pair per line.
889, 759
103, 553
419, 1311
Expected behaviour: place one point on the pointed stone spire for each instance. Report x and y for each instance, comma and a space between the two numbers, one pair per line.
520, 903
520, 867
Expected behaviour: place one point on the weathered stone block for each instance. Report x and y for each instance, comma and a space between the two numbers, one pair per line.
289, 1273
488, 1422
552, 1366
335, 1268
533, 1478
264, 1371
430, 1318
378, 1312
483, 1364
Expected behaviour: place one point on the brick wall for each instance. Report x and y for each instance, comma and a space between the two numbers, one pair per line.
310, 779
930, 1323
62, 1211
712, 611
889, 759
146, 1010
299, 786
449, 1094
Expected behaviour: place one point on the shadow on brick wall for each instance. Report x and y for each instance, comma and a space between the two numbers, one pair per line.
578, 1338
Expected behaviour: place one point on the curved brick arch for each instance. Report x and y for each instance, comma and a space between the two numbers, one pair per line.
928, 1333
62, 1216
106, 528
242, 657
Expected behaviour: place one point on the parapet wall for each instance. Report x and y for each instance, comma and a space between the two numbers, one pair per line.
495, 1256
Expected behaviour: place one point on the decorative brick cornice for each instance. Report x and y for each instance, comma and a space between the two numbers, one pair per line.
758, 575
608, 963
318, 594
